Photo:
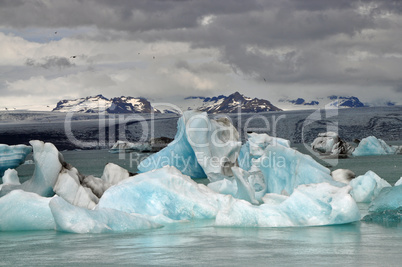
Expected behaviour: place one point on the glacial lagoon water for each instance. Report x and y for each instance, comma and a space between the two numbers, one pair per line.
201, 243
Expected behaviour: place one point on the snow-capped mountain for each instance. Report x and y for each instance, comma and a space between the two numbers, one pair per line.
330, 101
130, 105
99, 104
123, 104
345, 102
228, 104
90, 104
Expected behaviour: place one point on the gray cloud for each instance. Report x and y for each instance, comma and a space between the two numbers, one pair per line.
50, 62
345, 42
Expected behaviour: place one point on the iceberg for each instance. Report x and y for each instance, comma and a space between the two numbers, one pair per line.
85, 191
11, 177
48, 164
387, 217
202, 148
127, 147
164, 191
314, 204
330, 143
399, 182
68, 187
371, 146
25, 211
69, 218
179, 154
284, 169
366, 187
386, 207
12, 156
268, 165
343, 175
389, 198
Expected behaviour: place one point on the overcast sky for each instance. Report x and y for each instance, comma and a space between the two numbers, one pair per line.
166, 49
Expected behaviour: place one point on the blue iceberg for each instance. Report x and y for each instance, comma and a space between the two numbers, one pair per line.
366, 187
371, 146
314, 204
268, 165
390, 198
12, 156
48, 164
179, 154
386, 208
69, 218
165, 192
25, 211
202, 148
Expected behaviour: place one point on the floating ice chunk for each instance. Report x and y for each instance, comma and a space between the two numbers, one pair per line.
85, 191
74, 219
387, 217
314, 204
179, 154
399, 182
164, 191
373, 146
24, 211
331, 143
366, 187
48, 164
68, 187
389, 198
127, 147
284, 169
12, 156
343, 175
11, 177
113, 174
47, 168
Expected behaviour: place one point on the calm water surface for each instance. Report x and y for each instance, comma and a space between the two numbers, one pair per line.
201, 243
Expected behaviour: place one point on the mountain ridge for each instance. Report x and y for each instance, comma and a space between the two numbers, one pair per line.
127, 104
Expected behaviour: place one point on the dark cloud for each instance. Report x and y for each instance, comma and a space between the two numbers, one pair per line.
50, 62
352, 42
207, 67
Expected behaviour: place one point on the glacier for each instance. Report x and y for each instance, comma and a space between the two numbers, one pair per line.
371, 145
12, 156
